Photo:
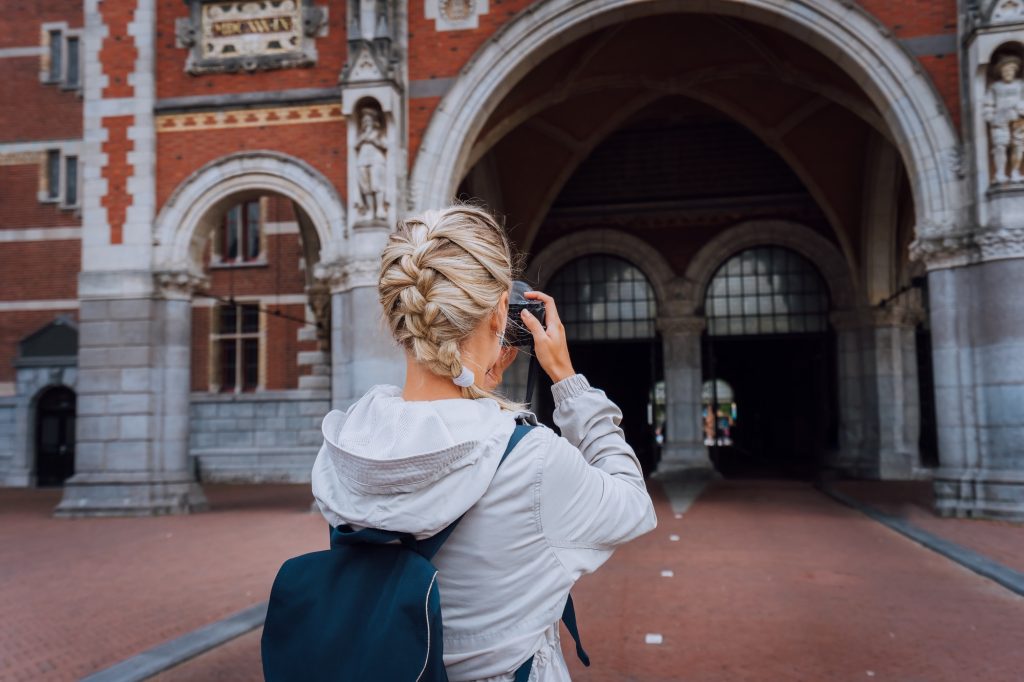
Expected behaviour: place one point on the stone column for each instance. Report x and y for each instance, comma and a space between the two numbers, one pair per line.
896, 388
133, 402
977, 323
684, 440
362, 350
879, 406
975, 267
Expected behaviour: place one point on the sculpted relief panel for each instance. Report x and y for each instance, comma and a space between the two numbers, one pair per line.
250, 35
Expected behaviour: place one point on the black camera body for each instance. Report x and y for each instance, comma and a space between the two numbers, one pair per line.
517, 333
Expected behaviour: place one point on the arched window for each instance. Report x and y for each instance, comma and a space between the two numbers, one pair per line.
239, 233
604, 298
766, 290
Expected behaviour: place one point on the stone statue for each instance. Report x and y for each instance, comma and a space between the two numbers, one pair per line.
371, 164
1002, 109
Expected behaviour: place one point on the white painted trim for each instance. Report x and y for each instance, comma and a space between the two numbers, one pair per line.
266, 299
892, 78
70, 145
39, 234
39, 304
286, 227
15, 52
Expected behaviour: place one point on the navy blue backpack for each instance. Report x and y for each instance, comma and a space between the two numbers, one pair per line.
368, 608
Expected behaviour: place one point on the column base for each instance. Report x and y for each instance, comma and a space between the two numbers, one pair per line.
979, 493
683, 456
130, 495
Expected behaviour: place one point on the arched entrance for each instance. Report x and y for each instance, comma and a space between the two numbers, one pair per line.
54, 436
768, 338
609, 310
701, 134
899, 101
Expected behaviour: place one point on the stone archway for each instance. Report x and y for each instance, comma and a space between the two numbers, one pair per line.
179, 230
613, 243
848, 35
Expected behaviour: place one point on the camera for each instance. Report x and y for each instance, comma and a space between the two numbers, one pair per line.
517, 333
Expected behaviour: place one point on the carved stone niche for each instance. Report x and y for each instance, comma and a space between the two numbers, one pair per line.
372, 152
1002, 109
250, 35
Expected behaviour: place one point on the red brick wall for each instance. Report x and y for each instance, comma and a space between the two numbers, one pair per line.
32, 110
20, 20
19, 205
39, 270
322, 145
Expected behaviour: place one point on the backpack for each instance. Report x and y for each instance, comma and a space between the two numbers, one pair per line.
368, 608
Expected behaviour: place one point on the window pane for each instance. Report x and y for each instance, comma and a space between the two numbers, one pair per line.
250, 318
228, 320
71, 180
227, 364
596, 293
766, 290
55, 53
252, 230
230, 251
250, 367
72, 76
53, 173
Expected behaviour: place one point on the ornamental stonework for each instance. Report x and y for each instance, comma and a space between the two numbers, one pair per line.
454, 15
250, 35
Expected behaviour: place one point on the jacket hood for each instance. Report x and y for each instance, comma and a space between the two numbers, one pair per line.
407, 466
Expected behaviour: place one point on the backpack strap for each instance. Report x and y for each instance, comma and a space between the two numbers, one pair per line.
522, 673
430, 546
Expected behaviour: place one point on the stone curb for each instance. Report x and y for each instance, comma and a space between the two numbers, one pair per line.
180, 649
980, 564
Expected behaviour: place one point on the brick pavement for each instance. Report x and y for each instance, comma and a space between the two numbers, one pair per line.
772, 581
1001, 541
77, 595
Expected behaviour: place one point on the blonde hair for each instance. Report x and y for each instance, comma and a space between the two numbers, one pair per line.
441, 274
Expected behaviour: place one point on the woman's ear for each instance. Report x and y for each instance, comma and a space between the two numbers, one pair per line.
500, 314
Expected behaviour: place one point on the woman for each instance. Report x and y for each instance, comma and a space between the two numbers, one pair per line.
415, 458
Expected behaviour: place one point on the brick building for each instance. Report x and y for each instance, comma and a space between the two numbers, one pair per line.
785, 234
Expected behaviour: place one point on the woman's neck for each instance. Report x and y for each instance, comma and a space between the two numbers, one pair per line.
422, 384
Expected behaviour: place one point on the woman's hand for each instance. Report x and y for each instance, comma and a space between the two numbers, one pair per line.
549, 344
494, 373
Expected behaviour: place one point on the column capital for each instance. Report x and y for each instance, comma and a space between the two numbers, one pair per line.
179, 284
342, 275
967, 248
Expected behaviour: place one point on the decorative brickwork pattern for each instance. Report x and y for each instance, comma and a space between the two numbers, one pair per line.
117, 172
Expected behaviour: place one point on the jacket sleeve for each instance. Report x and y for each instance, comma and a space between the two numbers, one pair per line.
593, 496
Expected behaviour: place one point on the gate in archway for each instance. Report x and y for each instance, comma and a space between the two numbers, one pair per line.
608, 307
768, 338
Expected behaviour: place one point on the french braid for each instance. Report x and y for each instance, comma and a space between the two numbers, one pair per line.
441, 274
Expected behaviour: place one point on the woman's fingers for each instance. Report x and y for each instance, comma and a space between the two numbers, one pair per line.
550, 309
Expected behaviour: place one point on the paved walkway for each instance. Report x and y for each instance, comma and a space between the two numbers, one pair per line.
770, 581
78, 595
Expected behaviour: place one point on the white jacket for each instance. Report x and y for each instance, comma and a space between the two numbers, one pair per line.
556, 509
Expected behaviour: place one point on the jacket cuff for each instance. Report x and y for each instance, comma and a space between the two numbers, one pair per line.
569, 387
